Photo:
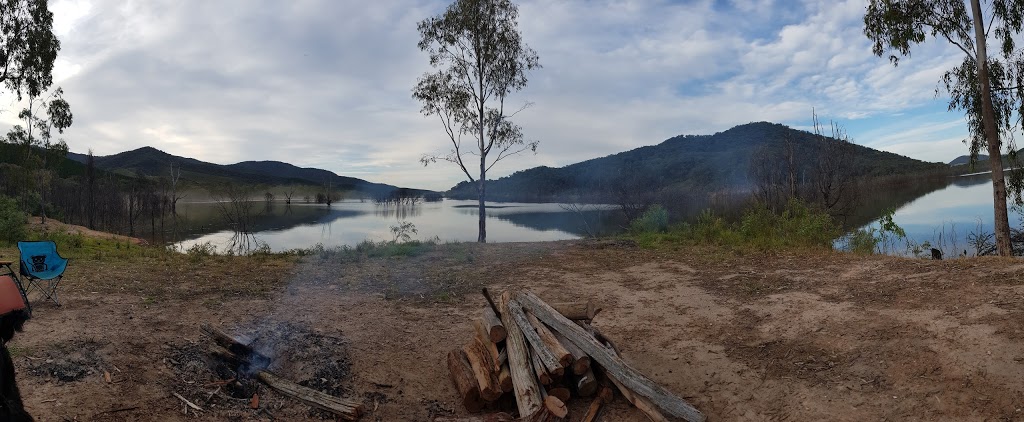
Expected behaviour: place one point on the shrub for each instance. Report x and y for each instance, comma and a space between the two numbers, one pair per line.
12, 221
654, 220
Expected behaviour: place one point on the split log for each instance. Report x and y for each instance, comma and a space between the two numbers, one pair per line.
551, 342
495, 329
581, 361
584, 311
485, 339
527, 392
586, 384
465, 381
595, 406
483, 370
538, 368
347, 409
505, 379
546, 356
631, 378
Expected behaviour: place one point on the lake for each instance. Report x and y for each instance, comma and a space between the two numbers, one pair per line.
946, 217
943, 213
284, 227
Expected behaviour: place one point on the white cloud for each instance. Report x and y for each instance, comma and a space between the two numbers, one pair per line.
327, 83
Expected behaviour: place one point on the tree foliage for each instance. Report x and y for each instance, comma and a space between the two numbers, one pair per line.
481, 59
28, 46
987, 87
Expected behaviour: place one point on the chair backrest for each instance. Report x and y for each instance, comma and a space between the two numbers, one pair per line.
40, 257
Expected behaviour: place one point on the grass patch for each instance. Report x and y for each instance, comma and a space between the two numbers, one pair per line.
798, 226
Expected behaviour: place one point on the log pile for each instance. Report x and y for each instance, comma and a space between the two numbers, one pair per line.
542, 355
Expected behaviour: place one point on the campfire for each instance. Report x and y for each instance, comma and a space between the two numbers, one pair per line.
244, 366
541, 356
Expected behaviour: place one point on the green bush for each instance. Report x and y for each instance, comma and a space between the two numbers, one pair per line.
12, 221
862, 242
654, 220
798, 226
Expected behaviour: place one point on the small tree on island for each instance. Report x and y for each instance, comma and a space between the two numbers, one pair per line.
987, 87
481, 59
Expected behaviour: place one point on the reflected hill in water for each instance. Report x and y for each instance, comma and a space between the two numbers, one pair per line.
197, 219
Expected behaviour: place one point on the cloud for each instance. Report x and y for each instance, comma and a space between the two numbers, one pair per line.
327, 83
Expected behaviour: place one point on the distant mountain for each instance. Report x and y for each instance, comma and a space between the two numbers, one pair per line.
149, 161
966, 159
684, 163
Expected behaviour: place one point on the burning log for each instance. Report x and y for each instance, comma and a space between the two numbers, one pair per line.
240, 349
248, 360
527, 392
631, 378
349, 410
465, 381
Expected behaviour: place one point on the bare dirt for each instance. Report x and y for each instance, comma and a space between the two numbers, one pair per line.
802, 336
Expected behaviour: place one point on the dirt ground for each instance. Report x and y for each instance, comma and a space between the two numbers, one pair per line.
803, 336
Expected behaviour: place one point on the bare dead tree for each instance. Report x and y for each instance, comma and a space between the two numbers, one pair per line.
834, 172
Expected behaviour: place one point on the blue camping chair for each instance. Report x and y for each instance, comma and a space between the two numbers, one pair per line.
42, 267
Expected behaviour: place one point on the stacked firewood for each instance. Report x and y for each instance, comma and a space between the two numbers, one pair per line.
542, 355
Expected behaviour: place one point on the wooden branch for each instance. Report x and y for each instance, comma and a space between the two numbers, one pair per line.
244, 354
551, 342
483, 370
581, 361
465, 382
349, 410
188, 403
614, 365
527, 392
495, 329
546, 356
595, 406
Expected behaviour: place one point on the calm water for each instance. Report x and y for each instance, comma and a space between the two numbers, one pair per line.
348, 223
943, 213
946, 217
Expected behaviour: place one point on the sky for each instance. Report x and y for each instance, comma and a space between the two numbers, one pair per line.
328, 83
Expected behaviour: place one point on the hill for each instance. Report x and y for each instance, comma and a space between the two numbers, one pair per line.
966, 159
684, 163
149, 161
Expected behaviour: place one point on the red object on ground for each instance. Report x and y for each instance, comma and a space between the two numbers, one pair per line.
10, 295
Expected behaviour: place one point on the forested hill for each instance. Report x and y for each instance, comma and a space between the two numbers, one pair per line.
150, 161
684, 163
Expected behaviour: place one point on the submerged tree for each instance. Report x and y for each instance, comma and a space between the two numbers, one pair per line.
481, 59
989, 89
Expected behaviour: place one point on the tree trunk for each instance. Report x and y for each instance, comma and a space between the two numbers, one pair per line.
481, 191
988, 118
